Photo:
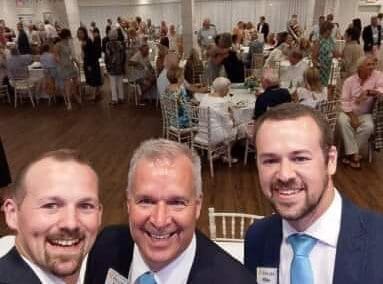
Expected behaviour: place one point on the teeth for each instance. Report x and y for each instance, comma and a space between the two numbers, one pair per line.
160, 237
288, 191
65, 243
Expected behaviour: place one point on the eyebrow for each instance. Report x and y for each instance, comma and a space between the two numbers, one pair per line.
273, 155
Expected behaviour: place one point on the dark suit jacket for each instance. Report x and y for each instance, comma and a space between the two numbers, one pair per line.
114, 249
23, 43
14, 270
358, 254
367, 37
5, 175
271, 97
234, 68
265, 30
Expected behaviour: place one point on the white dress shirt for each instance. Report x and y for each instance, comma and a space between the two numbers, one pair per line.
176, 272
322, 257
44, 276
294, 73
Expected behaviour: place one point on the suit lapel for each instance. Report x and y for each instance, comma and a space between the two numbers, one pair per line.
272, 245
352, 241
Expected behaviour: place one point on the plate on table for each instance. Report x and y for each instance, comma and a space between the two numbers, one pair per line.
238, 86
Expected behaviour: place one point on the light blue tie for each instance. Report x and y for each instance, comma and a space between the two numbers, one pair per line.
300, 270
146, 278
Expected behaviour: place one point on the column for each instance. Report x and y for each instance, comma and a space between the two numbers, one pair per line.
8, 12
187, 11
43, 8
73, 16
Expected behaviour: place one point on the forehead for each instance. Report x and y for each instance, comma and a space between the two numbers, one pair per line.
286, 135
66, 178
160, 175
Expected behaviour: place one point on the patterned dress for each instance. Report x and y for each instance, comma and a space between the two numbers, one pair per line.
182, 99
326, 48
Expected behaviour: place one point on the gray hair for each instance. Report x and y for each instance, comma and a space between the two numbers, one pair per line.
221, 83
165, 149
113, 34
362, 60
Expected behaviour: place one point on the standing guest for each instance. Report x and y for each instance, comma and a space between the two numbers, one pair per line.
66, 68
206, 35
109, 23
163, 28
315, 34
270, 42
255, 48
49, 65
3, 66
193, 68
273, 94
50, 31
97, 42
249, 28
312, 93
263, 28
3, 39
8, 33
42, 33
351, 53
22, 41
115, 63
357, 99
161, 243
150, 30
293, 75
105, 39
316, 235
293, 27
17, 64
277, 54
162, 52
92, 69
172, 38
239, 32
324, 51
372, 35
93, 27
55, 211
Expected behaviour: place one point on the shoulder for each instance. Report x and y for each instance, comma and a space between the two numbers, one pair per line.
261, 229
213, 265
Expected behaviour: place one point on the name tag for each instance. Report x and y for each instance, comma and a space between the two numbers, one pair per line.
113, 277
267, 275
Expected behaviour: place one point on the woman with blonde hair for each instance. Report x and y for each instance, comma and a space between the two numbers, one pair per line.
313, 92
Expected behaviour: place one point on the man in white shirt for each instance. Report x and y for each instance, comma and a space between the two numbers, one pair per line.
50, 31
292, 76
317, 236
315, 34
55, 211
161, 244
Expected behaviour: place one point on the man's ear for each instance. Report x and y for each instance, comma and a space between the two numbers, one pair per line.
10, 208
332, 160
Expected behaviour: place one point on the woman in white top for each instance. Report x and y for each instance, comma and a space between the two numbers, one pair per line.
313, 93
221, 119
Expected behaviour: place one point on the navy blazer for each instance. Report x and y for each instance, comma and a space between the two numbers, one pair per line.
14, 270
358, 254
211, 265
367, 37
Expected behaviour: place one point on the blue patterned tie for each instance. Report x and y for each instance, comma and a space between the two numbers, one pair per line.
300, 270
146, 278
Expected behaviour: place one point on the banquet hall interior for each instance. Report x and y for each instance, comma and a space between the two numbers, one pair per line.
107, 112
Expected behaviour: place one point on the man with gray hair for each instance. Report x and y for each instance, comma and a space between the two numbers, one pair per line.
357, 100
161, 244
206, 34
273, 94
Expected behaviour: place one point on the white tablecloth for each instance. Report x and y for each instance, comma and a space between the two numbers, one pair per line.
235, 249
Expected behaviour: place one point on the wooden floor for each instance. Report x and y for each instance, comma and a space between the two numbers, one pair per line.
108, 135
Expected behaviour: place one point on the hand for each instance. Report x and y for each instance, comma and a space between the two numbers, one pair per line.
354, 121
363, 96
373, 93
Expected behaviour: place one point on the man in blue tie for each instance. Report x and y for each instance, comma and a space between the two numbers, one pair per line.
161, 244
316, 236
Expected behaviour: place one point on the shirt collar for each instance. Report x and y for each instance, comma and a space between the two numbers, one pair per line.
330, 220
175, 272
44, 276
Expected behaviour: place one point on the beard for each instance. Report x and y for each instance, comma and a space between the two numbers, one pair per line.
310, 203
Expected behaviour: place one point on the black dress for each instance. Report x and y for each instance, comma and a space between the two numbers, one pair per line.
91, 65
5, 176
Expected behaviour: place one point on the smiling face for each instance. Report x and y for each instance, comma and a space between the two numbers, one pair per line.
293, 171
163, 209
58, 219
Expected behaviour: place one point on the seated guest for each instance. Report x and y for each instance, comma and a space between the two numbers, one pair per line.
273, 94
221, 119
162, 52
214, 68
177, 91
255, 47
312, 93
161, 243
145, 72
357, 99
171, 59
17, 64
55, 211
294, 73
351, 53
193, 68
234, 67
22, 40
277, 54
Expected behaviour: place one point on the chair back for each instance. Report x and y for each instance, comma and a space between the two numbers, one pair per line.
225, 226
335, 73
4, 91
169, 108
329, 108
204, 128
377, 115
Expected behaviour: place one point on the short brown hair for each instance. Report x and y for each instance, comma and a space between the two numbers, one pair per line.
326, 26
290, 111
174, 74
61, 155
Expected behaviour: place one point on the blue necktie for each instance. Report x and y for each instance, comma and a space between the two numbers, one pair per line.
300, 270
146, 278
